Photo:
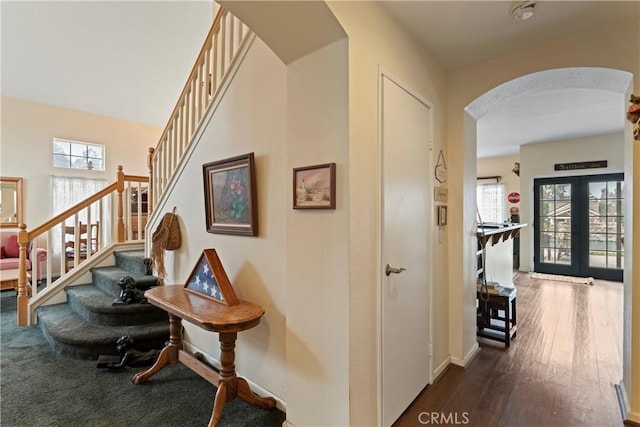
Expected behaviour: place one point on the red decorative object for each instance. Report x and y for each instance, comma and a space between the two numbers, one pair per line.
513, 197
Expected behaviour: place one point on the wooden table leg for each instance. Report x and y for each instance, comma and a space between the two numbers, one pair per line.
230, 385
245, 393
168, 355
227, 386
218, 404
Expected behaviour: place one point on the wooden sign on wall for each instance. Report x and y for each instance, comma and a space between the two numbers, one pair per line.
580, 165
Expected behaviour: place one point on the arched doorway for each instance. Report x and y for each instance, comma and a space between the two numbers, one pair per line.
574, 89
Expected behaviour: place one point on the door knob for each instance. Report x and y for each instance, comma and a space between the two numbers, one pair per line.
388, 270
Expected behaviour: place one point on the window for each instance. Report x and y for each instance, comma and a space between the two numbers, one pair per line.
492, 203
66, 192
77, 155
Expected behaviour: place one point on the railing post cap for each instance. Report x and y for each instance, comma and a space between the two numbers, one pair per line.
119, 168
22, 226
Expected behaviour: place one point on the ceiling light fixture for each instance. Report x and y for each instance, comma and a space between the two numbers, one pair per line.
522, 11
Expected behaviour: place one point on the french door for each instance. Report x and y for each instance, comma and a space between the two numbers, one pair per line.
579, 226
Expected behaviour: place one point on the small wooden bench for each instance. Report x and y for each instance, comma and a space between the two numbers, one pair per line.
490, 323
210, 315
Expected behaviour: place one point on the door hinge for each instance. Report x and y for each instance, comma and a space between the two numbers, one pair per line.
430, 143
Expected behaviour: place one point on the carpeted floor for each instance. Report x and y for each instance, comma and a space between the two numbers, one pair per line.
40, 388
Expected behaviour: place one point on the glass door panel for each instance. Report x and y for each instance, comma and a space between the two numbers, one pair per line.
554, 222
579, 226
606, 224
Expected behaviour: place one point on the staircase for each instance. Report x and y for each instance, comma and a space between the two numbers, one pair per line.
88, 325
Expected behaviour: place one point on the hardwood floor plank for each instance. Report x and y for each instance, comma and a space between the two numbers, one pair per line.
559, 370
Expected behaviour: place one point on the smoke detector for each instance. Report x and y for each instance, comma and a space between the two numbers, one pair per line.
522, 11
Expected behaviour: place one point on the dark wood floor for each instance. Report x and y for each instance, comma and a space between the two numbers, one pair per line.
560, 370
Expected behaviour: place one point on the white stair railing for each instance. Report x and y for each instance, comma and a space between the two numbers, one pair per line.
209, 72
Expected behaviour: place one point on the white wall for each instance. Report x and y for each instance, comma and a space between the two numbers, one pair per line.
498, 263
538, 161
27, 134
250, 118
377, 41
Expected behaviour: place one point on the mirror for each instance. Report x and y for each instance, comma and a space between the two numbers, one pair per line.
10, 202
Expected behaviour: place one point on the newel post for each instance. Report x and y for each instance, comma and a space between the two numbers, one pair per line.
150, 189
23, 297
120, 190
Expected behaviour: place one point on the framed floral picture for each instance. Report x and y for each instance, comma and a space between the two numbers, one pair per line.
230, 196
314, 187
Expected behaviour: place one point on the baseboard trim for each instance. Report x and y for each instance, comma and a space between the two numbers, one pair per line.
441, 369
632, 419
629, 417
468, 357
280, 404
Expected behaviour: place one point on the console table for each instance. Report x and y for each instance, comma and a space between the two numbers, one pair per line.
210, 315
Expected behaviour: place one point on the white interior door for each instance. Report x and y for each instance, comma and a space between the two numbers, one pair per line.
406, 214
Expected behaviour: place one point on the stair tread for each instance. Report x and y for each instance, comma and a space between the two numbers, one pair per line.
96, 300
68, 327
132, 254
116, 273
88, 325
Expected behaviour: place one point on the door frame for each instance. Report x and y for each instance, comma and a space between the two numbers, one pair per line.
380, 278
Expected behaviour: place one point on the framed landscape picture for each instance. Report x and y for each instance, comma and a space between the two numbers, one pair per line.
314, 187
230, 196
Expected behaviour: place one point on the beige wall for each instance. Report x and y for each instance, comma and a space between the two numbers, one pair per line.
614, 46
631, 384
250, 118
377, 41
317, 254
297, 268
27, 134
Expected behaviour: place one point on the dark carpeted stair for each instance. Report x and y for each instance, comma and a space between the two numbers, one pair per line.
88, 325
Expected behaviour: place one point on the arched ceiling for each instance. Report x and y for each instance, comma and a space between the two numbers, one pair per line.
550, 105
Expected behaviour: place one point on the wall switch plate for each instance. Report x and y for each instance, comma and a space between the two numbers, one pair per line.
440, 194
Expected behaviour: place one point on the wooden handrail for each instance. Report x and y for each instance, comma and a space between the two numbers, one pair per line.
136, 178
71, 211
43, 232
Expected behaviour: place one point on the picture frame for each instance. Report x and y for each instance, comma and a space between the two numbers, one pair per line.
230, 196
314, 187
209, 279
